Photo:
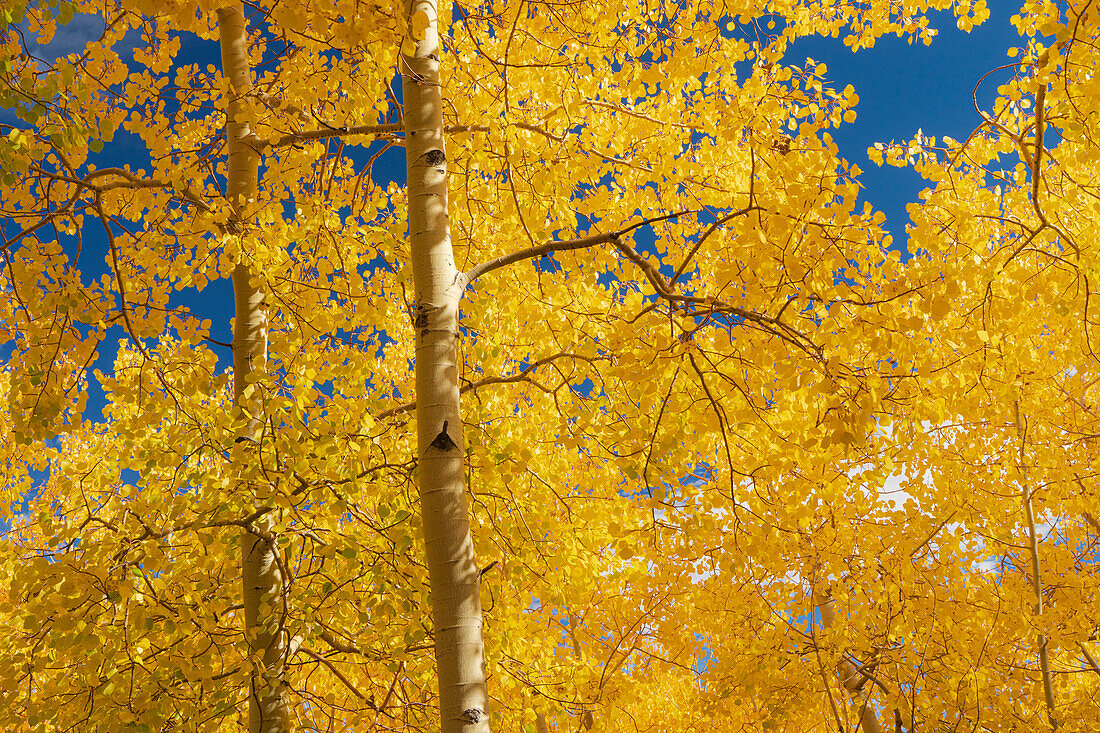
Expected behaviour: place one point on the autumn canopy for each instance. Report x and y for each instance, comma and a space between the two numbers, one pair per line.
567, 382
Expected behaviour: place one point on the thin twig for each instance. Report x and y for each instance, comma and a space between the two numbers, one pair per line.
118, 275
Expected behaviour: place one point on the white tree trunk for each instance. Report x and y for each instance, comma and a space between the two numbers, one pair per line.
452, 569
850, 677
261, 579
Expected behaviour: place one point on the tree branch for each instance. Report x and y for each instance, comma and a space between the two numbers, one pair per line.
510, 379
118, 275
556, 246
1088, 658
339, 675
130, 181
293, 138
769, 324
710, 230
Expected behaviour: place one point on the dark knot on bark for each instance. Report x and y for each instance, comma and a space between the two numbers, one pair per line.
443, 441
420, 318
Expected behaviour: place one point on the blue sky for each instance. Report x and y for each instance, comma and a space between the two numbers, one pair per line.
904, 88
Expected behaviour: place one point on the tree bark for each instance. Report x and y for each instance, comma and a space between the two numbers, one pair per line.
850, 677
261, 578
1036, 567
452, 569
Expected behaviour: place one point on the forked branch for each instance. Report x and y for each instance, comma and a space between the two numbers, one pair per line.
539, 250
520, 376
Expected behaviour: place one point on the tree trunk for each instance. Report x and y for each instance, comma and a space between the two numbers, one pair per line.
850, 678
452, 570
261, 579
1036, 567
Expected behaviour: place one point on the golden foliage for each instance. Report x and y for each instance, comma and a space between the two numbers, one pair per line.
683, 438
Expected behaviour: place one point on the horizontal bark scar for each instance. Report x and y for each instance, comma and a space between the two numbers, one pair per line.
435, 157
472, 715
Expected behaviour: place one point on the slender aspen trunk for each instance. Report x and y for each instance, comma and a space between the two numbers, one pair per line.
261, 579
452, 569
849, 676
1036, 568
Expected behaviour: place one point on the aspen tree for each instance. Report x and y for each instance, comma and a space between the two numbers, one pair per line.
452, 567
262, 584
680, 331
850, 679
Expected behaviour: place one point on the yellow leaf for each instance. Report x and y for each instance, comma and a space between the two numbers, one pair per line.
420, 24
